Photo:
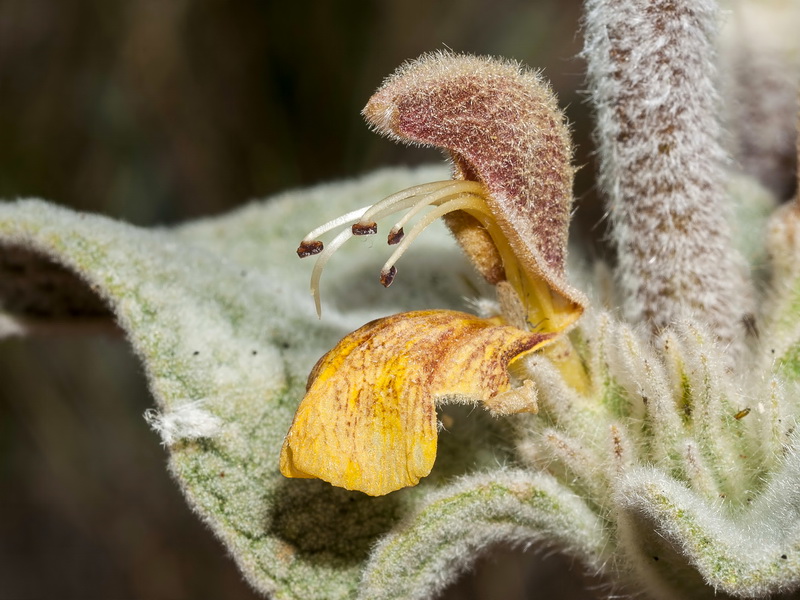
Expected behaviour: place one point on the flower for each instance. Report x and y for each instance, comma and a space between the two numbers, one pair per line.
673, 472
368, 420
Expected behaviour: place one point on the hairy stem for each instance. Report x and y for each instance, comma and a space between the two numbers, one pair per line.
651, 71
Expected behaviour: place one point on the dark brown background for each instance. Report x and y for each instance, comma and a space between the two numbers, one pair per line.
159, 111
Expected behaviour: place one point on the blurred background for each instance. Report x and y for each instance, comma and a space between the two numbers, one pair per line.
155, 112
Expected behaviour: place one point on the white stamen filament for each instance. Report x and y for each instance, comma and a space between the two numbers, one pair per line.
447, 196
323, 258
437, 198
471, 202
403, 198
337, 222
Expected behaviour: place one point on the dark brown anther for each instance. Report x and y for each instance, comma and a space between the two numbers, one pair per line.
387, 277
365, 228
309, 248
395, 236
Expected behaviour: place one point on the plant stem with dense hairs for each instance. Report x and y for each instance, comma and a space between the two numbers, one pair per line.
651, 71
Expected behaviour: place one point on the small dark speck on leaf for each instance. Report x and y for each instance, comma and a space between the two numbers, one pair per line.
783, 556
195, 353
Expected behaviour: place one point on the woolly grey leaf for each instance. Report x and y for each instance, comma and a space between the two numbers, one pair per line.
450, 530
671, 535
219, 314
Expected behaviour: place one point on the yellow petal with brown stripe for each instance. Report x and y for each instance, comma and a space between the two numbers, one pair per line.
368, 420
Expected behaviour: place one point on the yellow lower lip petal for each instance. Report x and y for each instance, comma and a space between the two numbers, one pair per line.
368, 420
